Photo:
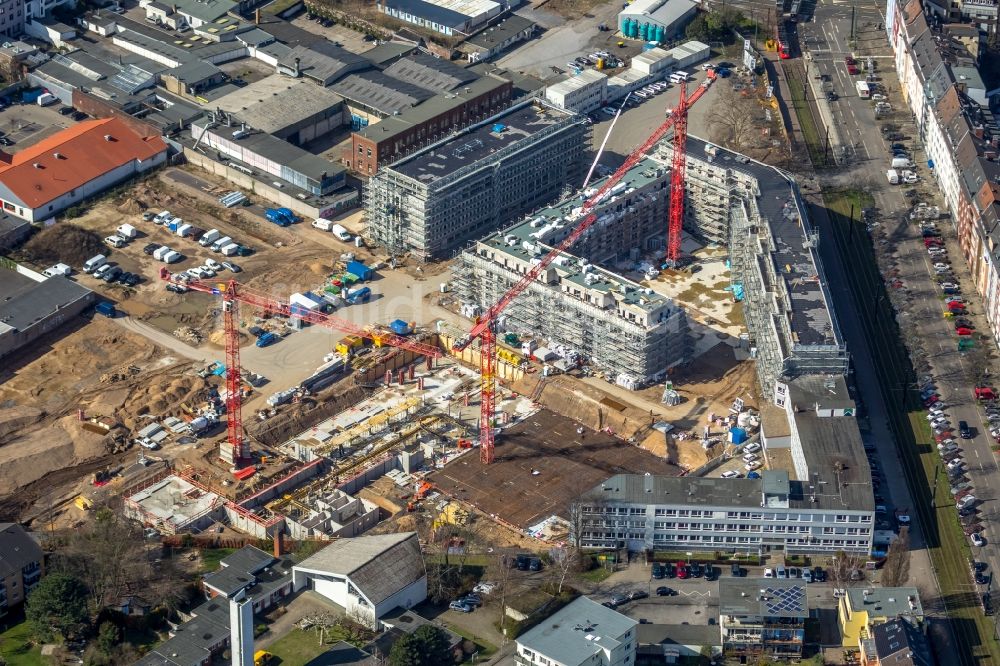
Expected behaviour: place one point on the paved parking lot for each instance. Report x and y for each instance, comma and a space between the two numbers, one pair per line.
27, 124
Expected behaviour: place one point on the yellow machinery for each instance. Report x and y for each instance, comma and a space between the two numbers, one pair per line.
262, 658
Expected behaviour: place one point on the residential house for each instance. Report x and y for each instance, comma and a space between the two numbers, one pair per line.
862, 609
897, 643
21, 565
762, 618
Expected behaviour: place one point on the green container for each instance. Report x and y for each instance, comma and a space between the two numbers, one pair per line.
349, 278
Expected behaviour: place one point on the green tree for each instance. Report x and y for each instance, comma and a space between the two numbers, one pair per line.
427, 646
698, 28
107, 637
58, 607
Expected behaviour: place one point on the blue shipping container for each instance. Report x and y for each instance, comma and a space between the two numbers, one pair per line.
360, 270
361, 295
400, 327
266, 339
105, 308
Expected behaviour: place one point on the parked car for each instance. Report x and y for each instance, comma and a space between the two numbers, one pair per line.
637, 594
977, 539
665, 592
964, 431
730, 474
460, 607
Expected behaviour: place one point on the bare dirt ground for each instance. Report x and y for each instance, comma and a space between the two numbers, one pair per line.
98, 368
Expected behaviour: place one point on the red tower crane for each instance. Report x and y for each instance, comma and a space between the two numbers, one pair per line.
677, 173
483, 328
233, 293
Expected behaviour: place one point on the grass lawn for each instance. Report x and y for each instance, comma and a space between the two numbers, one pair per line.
15, 647
300, 647
597, 575
810, 128
485, 648
210, 557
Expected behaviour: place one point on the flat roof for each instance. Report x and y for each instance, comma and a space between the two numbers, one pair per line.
480, 141
887, 601
763, 597
194, 71
712, 492
430, 73
577, 631
23, 302
174, 500
387, 52
288, 155
206, 10
501, 31
794, 258
451, 13
276, 102
582, 80
548, 226
381, 93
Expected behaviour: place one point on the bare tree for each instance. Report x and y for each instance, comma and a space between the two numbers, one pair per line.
846, 569
499, 571
896, 570
565, 560
734, 119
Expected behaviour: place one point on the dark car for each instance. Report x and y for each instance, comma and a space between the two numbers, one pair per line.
711, 573
819, 575
67, 110
151, 248
737, 571
112, 274
697, 571
669, 570
980, 567
6, 141
657, 571
534, 564
79, 115
964, 431
982, 578
664, 591
522, 562
638, 594
124, 278
831, 96
133, 280
176, 288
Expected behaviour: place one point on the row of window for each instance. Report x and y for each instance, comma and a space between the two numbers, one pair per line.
746, 515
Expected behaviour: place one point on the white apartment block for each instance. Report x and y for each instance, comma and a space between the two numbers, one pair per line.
582, 633
641, 512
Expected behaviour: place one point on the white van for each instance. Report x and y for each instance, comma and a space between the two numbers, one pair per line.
341, 233
94, 263
58, 269
221, 243
323, 225
210, 237
127, 231
171, 257
229, 249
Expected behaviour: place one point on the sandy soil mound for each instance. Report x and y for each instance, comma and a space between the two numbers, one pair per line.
15, 419
63, 242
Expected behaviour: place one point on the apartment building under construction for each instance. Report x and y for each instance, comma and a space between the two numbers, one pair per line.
471, 184
628, 332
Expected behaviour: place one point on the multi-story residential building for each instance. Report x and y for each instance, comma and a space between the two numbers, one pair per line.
737, 515
630, 333
897, 643
758, 211
762, 618
474, 182
959, 135
21, 566
860, 610
581, 633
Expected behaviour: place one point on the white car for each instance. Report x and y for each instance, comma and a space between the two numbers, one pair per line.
937, 252
207, 271
639, 93
609, 111
977, 539
949, 285
955, 464
730, 474
750, 457
213, 264
115, 241
752, 448
751, 466
910, 178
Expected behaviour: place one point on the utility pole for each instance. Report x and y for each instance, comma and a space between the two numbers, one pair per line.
853, 8
850, 228
826, 147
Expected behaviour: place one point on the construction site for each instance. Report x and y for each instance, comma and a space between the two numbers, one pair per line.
620, 330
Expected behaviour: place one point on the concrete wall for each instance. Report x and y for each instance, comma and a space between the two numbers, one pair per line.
342, 202
293, 480
11, 340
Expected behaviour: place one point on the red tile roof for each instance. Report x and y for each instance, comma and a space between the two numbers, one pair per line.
85, 151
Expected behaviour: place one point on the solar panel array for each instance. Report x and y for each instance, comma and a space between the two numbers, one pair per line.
784, 600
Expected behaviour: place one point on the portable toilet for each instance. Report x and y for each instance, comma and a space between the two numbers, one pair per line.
737, 436
600, 64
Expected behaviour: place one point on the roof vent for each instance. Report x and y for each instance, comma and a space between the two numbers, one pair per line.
108, 137
58, 156
37, 165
